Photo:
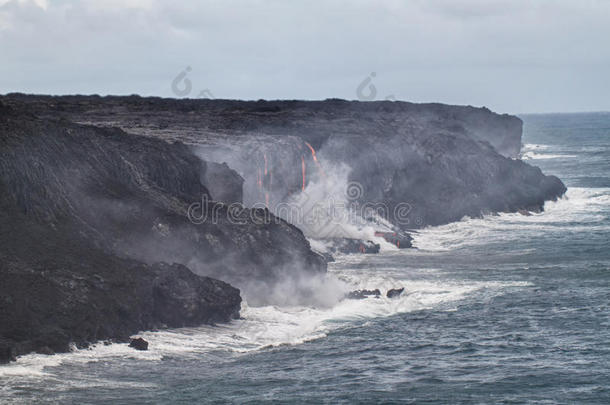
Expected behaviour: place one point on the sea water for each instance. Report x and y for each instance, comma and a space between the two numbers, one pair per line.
507, 308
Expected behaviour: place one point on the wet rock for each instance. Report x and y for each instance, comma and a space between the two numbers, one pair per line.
347, 246
395, 292
181, 298
362, 294
403, 155
88, 212
225, 184
139, 344
7, 352
400, 239
45, 350
327, 256
91, 216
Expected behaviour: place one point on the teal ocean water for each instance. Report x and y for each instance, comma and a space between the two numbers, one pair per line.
501, 309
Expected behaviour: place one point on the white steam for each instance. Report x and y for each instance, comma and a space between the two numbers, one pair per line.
328, 208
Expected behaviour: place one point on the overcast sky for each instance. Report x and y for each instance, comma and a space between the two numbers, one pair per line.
509, 55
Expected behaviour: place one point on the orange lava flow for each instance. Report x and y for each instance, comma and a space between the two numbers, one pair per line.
313, 152
315, 159
265, 157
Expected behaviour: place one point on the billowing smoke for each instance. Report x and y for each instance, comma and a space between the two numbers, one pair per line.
307, 189
329, 208
296, 287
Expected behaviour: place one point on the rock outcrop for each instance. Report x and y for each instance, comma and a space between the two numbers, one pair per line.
223, 183
425, 164
346, 246
362, 294
395, 292
139, 344
90, 216
119, 214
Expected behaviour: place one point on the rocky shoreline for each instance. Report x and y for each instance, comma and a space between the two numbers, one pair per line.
90, 217
97, 194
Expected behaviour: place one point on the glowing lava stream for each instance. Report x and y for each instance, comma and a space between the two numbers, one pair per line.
265, 157
315, 159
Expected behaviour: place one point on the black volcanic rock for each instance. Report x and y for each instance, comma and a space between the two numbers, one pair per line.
89, 216
395, 292
401, 240
7, 351
425, 164
362, 294
97, 194
223, 183
142, 198
79, 294
347, 246
181, 299
139, 344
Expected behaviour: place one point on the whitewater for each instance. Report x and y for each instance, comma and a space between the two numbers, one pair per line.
506, 307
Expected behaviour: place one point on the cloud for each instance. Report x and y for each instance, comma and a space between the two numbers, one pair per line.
510, 55
44, 4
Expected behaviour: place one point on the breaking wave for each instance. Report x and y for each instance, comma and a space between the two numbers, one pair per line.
580, 209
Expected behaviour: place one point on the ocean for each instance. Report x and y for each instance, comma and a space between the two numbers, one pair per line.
501, 309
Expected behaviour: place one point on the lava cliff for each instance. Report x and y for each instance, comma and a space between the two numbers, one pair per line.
90, 216
120, 214
441, 162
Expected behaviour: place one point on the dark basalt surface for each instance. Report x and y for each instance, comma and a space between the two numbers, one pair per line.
362, 294
139, 344
97, 194
223, 183
401, 240
426, 164
89, 216
346, 246
395, 292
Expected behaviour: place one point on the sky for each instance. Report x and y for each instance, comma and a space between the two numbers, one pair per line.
512, 56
